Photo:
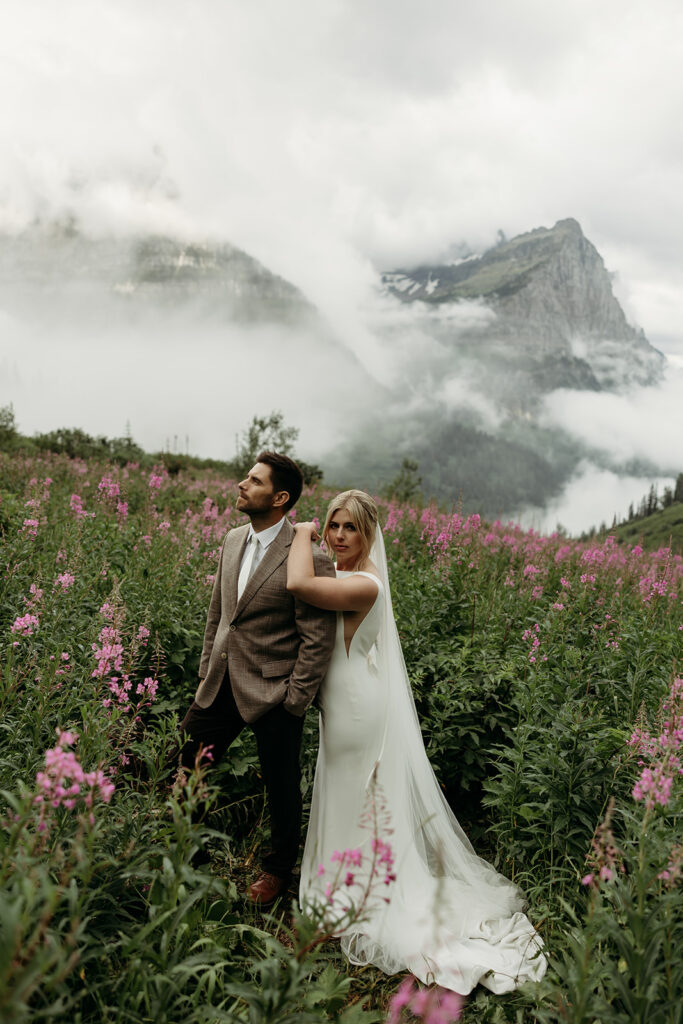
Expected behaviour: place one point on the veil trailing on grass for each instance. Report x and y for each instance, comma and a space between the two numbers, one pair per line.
450, 916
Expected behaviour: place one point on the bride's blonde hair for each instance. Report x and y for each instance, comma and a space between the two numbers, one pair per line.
362, 513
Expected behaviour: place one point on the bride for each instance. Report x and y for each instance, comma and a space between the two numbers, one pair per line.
450, 918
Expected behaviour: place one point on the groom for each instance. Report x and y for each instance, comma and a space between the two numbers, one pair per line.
264, 656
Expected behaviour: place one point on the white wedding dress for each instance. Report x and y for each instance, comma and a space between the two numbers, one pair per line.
450, 917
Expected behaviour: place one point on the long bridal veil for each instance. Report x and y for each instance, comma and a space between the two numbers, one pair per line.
451, 917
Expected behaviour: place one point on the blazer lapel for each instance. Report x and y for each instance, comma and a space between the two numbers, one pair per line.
231, 564
275, 555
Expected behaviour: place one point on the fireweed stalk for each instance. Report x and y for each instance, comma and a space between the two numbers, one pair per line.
64, 783
660, 766
358, 881
659, 756
165, 583
430, 1005
115, 669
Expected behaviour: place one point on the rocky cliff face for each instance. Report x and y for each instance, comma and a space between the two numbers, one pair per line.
554, 315
131, 273
474, 349
482, 343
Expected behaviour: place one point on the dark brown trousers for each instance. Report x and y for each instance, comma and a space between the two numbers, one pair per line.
278, 739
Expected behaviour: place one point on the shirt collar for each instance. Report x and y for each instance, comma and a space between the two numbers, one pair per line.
266, 537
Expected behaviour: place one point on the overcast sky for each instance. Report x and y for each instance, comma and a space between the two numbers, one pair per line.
333, 137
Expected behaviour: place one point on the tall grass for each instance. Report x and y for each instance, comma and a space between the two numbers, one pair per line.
534, 662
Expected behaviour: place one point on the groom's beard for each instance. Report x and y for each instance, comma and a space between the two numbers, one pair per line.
258, 506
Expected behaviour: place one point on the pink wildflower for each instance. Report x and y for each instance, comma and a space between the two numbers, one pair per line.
109, 654
662, 752
35, 598
64, 782
148, 688
430, 1005
25, 625
653, 787
109, 488
65, 580
76, 505
30, 527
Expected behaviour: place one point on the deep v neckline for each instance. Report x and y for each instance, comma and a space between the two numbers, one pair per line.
357, 572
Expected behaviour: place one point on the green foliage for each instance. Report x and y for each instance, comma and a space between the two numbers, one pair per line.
264, 433
532, 661
8, 426
663, 528
77, 444
678, 491
656, 522
269, 433
405, 486
620, 961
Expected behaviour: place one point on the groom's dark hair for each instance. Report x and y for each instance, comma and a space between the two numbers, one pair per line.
286, 475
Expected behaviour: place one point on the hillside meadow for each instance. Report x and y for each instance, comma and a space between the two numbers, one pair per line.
664, 528
546, 674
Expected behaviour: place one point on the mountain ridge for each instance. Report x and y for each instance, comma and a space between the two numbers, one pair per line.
147, 269
552, 302
476, 348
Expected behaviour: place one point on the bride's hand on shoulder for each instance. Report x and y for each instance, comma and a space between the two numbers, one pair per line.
310, 528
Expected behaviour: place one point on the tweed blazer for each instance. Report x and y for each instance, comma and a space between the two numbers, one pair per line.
275, 648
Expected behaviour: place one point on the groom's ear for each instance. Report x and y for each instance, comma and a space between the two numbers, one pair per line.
280, 498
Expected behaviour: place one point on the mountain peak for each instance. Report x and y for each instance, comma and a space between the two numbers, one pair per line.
553, 301
569, 224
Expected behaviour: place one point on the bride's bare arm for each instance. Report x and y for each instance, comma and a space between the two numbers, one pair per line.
352, 594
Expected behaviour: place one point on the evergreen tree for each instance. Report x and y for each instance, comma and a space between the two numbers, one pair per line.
678, 490
406, 484
8, 425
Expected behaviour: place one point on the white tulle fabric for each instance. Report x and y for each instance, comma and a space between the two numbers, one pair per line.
451, 918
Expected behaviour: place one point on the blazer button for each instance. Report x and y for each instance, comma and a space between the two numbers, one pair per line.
233, 627
223, 655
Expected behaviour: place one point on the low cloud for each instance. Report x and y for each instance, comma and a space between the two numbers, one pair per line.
331, 139
593, 496
179, 384
644, 424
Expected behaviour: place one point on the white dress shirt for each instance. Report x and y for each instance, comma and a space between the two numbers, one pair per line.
265, 538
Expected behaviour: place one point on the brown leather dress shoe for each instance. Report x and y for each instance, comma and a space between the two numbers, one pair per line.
267, 888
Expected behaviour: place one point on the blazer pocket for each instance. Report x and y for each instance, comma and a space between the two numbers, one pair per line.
277, 669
